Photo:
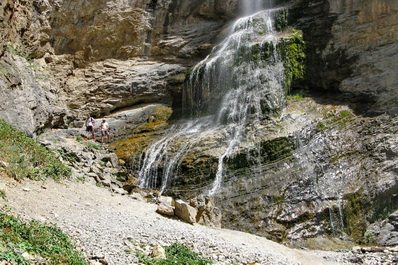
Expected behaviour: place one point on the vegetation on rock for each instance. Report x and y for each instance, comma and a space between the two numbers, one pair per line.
355, 217
23, 157
143, 134
292, 50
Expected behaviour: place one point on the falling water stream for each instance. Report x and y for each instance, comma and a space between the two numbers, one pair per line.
232, 91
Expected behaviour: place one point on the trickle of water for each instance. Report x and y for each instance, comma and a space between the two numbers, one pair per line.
238, 85
252, 6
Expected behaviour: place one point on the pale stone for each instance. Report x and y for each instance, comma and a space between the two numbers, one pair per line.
165, 209
167, 200
185, 212
158, 252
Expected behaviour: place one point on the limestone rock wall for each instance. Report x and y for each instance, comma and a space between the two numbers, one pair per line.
102, 29
29, 96
62, 59
351, 47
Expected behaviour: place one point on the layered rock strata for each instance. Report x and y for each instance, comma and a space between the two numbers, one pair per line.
70, 58
351, 47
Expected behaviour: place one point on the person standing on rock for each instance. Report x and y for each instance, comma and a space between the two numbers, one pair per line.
105, 131
90, 122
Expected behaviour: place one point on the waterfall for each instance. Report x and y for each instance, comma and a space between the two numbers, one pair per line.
252, 6
233, 91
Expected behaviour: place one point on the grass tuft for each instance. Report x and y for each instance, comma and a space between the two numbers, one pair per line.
46, 243
26, 158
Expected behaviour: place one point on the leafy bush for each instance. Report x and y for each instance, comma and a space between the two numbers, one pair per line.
26, 158
39, 240
176, 254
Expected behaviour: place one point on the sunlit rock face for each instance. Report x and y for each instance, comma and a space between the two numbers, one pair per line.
101, 29
61, 48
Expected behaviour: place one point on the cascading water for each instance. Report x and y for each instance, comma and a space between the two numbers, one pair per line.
238, 86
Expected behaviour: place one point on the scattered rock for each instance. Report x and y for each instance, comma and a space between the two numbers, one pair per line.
27, 256
158, 252
3, 164
165, 209
185, 212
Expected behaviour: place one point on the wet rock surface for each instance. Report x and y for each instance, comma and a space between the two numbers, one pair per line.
318, 171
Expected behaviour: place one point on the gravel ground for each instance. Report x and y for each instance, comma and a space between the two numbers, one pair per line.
115, 227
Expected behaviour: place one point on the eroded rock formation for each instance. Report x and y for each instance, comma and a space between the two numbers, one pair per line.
70, 58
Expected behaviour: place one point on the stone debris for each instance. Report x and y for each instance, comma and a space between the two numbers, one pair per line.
158, 252
200, 210
90, 160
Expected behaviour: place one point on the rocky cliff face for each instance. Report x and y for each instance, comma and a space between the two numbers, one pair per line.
327, 168
70, 58
351, 47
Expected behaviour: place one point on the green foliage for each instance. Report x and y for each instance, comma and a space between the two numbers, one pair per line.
14, 51
79, 138
27, 158
355, 217
176, 254
341, 117
120, 177
37, 239
292, 51
81, 179
65, 156
369, 237
321, 126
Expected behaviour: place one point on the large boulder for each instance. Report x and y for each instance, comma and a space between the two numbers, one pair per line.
185, 212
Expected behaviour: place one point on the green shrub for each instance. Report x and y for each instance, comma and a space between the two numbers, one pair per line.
45, 241
27, 158
176, 254
321, 126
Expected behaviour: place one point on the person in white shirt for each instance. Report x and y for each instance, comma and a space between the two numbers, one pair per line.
105, 131
90, 122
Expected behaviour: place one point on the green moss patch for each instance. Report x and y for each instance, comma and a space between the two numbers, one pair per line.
143, 135
292, 50
355, 217
26, 158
